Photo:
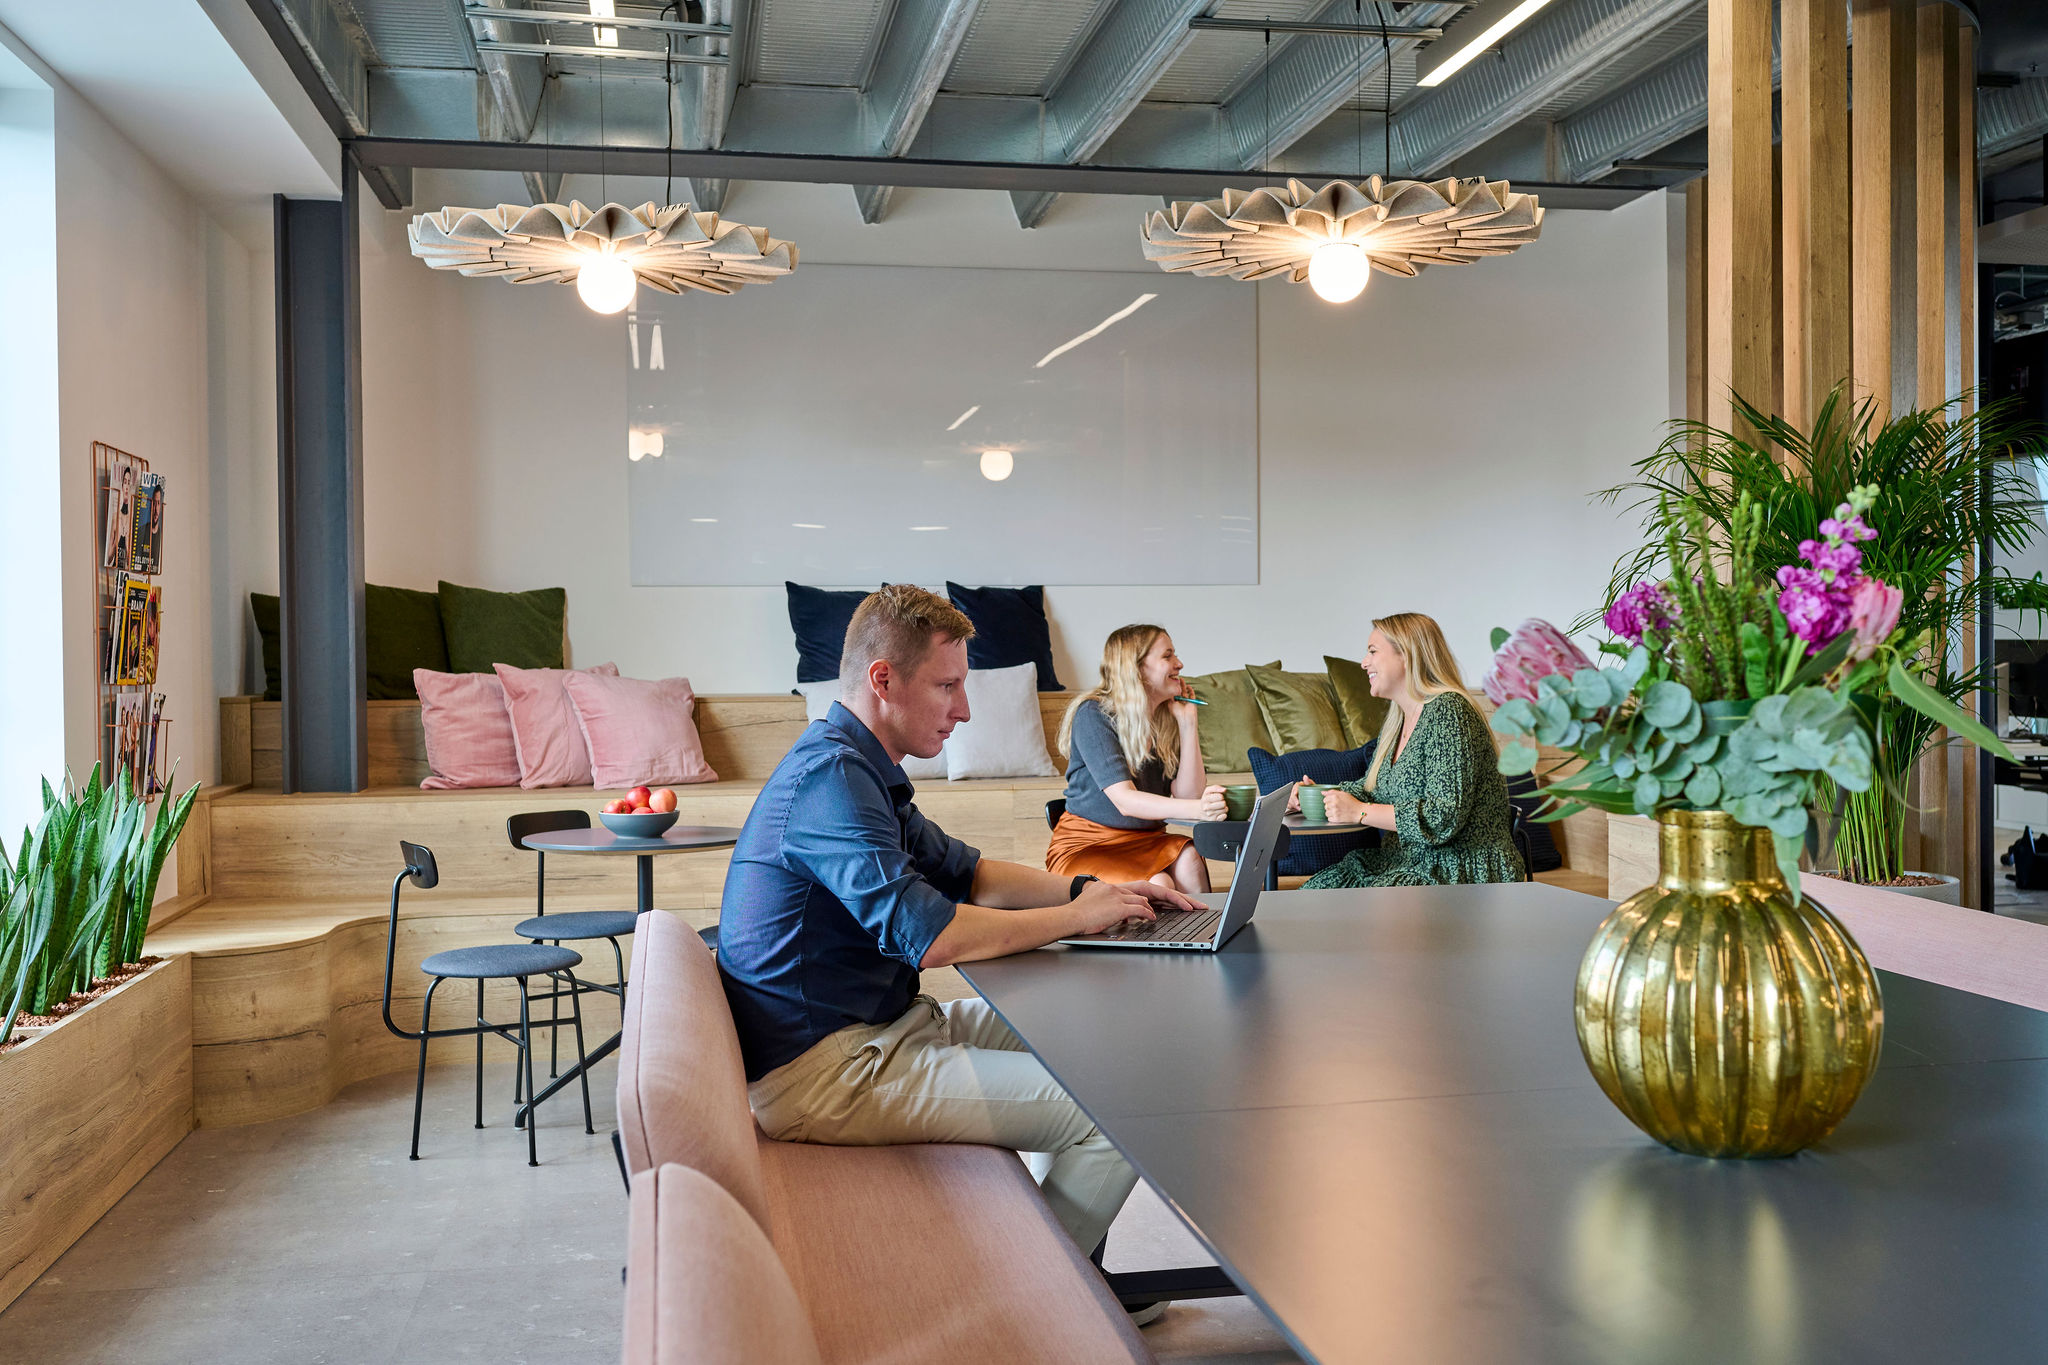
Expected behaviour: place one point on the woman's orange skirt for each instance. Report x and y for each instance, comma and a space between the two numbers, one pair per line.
1115, 855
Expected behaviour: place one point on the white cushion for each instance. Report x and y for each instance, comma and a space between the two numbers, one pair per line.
818, 699
1006, 736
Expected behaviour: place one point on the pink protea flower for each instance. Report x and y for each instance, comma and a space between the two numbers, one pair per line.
1873, 615
1536, 650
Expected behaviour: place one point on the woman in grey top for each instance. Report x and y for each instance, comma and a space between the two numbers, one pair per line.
1134, 761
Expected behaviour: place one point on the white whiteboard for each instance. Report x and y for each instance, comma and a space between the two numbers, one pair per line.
830, 428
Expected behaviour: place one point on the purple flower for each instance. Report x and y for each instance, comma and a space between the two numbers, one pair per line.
1819, 601
1536, 650
1644, 607
1873, 615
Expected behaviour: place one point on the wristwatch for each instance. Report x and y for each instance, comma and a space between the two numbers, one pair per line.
1074, 890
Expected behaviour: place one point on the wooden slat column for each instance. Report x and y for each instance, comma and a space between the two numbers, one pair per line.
1881, 188
1696, 301
1814, 185
1740, 246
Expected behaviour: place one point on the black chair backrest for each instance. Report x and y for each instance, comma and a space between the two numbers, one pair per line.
517, 827
421, 870
1223, 840
1054, 809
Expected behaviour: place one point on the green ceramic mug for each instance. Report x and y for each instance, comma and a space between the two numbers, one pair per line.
1238, 802
1311, 797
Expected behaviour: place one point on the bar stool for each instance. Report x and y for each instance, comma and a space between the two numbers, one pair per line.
570, 925
493, 962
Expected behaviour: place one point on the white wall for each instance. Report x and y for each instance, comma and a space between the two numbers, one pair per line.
1430, 447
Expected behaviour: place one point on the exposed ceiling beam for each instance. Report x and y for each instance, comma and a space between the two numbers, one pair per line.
2011, 117
1664, 104
1309, 80
1563, 45
517, 88
704, 94
310, 36
923, 38
1122, 60
1056, 178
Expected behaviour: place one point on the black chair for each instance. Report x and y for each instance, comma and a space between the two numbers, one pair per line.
1223, 840
570, 925
1054, 809
494, 962
1532, 838
1518, 831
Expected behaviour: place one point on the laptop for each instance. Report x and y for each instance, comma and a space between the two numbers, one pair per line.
1205, 931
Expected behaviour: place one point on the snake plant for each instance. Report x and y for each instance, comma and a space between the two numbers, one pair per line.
75, 899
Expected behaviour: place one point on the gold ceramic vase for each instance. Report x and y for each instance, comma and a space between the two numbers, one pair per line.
1723, 1015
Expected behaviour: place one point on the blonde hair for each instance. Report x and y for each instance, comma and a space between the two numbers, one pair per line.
1142, 731
1432, 671
900, 623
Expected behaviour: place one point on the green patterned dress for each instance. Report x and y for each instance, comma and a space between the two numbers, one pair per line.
1450, 808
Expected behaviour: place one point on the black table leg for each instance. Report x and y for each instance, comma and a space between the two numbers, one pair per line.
646, 861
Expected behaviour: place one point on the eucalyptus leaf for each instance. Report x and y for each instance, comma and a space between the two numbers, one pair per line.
1667, 703
1498, 638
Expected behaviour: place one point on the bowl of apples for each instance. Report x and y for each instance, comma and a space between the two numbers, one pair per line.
642, 813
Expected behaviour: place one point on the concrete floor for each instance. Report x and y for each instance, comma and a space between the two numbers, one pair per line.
312, 1240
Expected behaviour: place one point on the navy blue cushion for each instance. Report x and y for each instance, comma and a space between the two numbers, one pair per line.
578, 924
1524, 797
1009, 629
1325, 767
820, 618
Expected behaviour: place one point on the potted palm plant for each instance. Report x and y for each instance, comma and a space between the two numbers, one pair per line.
1948, 480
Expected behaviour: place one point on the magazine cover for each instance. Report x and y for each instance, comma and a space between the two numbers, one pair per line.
136, 652
149, 759
120, 514
145, 545
129, 711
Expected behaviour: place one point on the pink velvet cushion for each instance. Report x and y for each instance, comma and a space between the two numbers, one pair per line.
550, 744
639, 731
468, 732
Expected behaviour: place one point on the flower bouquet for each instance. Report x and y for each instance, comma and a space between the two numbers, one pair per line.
1737, 686
1721, 1010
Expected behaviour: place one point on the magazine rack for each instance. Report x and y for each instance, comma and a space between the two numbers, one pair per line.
133, 731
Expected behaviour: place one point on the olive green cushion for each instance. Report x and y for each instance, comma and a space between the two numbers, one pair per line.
1300, 709
404, 630
1230, 723
523, 629
264, 607
1361, 712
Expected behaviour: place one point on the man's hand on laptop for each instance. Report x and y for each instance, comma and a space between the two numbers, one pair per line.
1102, 906
1164, 897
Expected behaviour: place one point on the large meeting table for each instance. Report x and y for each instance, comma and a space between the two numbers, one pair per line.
1371, 1107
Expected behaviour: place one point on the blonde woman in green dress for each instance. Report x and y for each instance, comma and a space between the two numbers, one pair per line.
1434, 785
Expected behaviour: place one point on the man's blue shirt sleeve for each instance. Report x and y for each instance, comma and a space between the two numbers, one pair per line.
844, 833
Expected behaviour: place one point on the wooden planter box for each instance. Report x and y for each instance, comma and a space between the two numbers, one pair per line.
87, 1107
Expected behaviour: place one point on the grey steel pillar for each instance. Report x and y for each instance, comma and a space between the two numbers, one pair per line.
320, 492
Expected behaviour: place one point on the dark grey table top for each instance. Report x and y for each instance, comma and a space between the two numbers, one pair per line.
678, 839
1372, 1108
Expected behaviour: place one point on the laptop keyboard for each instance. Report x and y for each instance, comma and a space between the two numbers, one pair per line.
1174, 926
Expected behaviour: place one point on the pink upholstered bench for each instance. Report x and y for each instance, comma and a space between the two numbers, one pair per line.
939, 1252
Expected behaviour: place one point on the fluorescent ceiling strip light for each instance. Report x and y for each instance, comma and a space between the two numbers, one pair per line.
1487, 38
602, 9
967, 414
1097, 330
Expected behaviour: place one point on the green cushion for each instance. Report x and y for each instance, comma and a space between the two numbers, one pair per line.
1361, 712
1300, 709
523, 629
264, 606
1230, 723
404, 630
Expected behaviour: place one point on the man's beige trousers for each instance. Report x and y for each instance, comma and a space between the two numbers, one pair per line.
951, 1074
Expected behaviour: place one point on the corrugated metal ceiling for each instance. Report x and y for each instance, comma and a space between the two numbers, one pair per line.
409, 33
1630, 63
815, 42
1015, 48
1217, 63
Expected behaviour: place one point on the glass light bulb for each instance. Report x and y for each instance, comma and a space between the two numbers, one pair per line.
996, 465
1337, 271
606, 284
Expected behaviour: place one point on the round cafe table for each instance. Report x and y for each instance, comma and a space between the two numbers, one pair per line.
1297, 828
678, 839
597, 839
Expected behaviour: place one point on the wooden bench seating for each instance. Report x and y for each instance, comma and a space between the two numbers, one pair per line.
906, 1254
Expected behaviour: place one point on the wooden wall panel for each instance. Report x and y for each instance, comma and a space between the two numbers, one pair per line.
1814, 187
1881, 180
1740, 244
1696, 300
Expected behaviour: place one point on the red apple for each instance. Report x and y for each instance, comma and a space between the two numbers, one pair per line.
643, 810
616, 808
663, 800
638, 796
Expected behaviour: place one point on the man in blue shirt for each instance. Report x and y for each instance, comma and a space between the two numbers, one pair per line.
840, 890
